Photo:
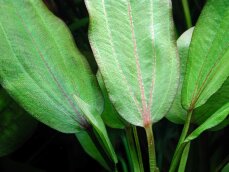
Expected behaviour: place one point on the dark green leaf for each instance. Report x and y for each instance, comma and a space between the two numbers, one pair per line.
226, 168
90, 148
211, 122
16, 126
4, 99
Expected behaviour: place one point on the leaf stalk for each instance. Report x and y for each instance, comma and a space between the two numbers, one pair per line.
181, 145
187, 13
151, 148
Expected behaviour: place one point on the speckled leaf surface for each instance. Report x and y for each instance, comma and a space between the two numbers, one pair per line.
41, 67
133, 43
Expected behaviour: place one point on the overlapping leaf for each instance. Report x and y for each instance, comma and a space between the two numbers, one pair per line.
94, 118
208, 62
41, 67
214, 103
133, 42
219, 116
90, 147
177, 113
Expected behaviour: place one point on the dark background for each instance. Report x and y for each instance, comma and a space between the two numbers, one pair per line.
49, 151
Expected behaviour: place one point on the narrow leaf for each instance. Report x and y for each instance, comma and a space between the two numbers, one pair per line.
96, 121
184, 158
211, 122
215, 102
208, 64
136, 55
90, 148
41, 67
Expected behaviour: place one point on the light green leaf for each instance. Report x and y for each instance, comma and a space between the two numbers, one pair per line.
41, 67
208, 64
110, 116
90, 148
219, 116
177, 113
16, 126
96, 121
133, 43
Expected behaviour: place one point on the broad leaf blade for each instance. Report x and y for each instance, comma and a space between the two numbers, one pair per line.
177, 113
136, 55
16, 126
41, 67
208, 64
110, 116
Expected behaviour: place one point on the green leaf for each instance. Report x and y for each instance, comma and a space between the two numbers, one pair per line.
4, 99
177, 113
131, 149
137, 56
215, 102
226, 168
78, 23
41, 67
223, 124
16, 126
90, 148
219, 116
208, 64
110, 116
184, 158
96, 121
